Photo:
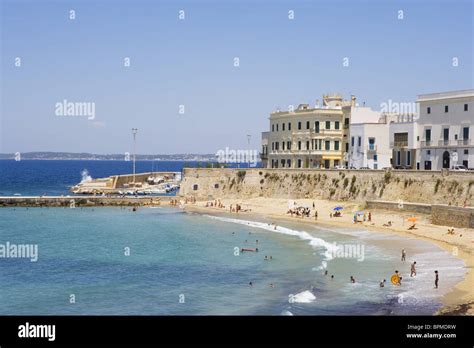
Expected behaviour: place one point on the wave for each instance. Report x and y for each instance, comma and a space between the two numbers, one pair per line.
315, 242
85, 177
303, 297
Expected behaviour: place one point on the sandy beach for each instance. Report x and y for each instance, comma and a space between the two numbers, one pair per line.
459, 301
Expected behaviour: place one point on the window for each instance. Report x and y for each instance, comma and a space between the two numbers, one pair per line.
316, 126
346, 121
288, 145
273, 127
307, 124
428, 110
299, 163
282, 126
328, 124
446, 134
289, 126
307, 145
398, 158
428, 135
466, 151
327, 145
216, 186
409, 158
282, 163
320, 143
466, 108
347, 147
375, 158
352, 141
195, 187
299, 125
277, 127
359, 141
336, 145
336, 125
446, 108
273, 146
288, 163
277, 146
299, 145
428, 152
283, 145
372, 144
465, 133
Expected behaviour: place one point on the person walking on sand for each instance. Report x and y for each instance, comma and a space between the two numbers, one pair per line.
413, 269
404, 254
370, 217
315, 214
436, 279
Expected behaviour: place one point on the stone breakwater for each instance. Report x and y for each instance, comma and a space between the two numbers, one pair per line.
81, 201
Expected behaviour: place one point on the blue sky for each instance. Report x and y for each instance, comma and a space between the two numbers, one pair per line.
190, 62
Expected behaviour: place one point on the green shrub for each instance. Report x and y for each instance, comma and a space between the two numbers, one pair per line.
346, 182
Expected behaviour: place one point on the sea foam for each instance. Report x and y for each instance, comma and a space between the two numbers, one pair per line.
315, 242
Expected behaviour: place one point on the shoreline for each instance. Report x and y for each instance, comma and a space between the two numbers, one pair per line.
458, 301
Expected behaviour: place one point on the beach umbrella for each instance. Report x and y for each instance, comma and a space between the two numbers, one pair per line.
412, 219
338, 208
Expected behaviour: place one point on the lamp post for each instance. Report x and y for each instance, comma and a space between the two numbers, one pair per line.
134, 132
249, 136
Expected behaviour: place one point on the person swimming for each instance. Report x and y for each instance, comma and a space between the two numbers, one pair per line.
332, 276
353, 280
326, 272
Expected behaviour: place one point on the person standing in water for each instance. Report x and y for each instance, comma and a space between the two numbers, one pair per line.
436, 279
353, 280
404, 255
382, 283
413, 269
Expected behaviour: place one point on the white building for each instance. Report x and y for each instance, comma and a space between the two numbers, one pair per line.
404, 141
369, 142
446, 129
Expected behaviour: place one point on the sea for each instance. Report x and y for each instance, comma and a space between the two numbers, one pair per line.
166, 261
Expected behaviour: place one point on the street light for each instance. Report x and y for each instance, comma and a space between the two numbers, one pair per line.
134, 132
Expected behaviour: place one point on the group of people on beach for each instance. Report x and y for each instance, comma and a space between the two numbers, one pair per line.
215, 204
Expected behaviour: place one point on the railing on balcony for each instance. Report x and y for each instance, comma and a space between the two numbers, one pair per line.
462, 142
372, 148
444, 142
426, 143
398, 143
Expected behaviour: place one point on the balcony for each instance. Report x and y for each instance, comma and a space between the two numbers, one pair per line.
427, 143
399, 144
372, 148
465, 142
448, 142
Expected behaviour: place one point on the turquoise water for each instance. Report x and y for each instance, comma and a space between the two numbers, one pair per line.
183, 263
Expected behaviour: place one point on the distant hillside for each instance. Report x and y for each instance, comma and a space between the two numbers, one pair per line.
108, 157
